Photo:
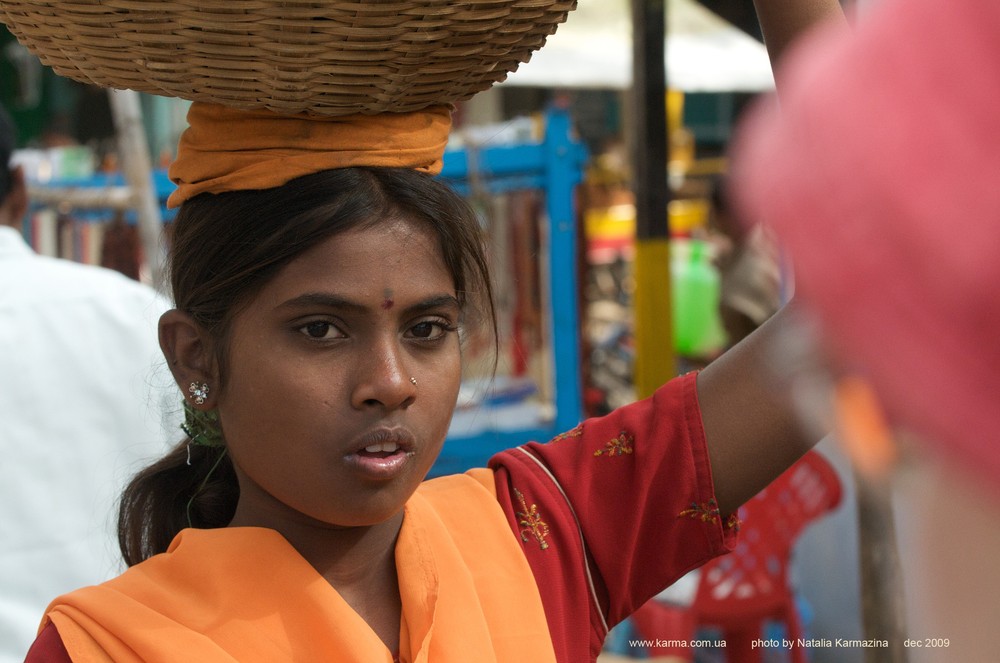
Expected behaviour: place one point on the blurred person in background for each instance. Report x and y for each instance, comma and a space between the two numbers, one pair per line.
749, 267
879, 175
78, 413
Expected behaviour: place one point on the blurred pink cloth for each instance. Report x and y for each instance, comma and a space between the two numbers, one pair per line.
881, 176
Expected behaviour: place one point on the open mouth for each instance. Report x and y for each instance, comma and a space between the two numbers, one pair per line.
383, 453
380, 450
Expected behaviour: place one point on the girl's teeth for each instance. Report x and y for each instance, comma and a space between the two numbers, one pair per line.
389, 447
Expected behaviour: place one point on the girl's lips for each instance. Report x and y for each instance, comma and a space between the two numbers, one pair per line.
381, 454
381, 467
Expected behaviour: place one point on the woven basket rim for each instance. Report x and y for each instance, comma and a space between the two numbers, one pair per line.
332, 57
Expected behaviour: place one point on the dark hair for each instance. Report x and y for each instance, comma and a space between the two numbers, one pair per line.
225, 248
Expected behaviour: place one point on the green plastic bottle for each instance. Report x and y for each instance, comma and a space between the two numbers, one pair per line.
696, 288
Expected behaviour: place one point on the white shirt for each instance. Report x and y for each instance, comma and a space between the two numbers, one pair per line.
85, 399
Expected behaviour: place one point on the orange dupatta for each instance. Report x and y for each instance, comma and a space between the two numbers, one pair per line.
244, 594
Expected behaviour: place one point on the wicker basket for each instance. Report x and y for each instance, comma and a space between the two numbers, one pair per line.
327, 57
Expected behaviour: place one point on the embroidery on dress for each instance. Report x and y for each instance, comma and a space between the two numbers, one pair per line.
709, 513
706, 513
531, 522
733, 522
573, 432
618, 446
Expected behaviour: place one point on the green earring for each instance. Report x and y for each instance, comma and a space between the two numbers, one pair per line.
202, 426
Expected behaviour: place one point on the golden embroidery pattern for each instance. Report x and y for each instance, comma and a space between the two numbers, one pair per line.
573, 432
619, 446
709, 513
531, 522
706, 513
733, 522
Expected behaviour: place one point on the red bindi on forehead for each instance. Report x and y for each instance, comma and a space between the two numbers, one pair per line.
387, 303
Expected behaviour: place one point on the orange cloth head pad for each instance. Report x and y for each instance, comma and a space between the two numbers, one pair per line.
233, 150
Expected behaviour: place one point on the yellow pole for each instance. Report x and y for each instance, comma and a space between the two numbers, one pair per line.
654, 341
654, 359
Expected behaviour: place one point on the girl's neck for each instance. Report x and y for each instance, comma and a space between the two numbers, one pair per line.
350, 556
360, 563
341, 554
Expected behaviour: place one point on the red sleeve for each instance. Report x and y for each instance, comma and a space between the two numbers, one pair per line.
48, 647
614, 511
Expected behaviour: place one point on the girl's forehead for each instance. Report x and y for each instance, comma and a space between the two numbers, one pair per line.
391, 258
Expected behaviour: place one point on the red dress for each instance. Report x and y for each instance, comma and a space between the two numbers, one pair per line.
608, 514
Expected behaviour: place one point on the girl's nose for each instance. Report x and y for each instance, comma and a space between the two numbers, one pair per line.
382, 379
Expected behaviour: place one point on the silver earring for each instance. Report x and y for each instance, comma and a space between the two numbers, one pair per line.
413, 381
199, 392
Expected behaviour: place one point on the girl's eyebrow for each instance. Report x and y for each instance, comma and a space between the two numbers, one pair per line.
325, 300
437, 302
332, 301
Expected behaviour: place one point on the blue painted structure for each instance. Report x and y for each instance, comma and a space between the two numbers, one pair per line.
161, 183
555, 166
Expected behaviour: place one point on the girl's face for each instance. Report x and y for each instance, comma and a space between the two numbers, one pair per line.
344, 372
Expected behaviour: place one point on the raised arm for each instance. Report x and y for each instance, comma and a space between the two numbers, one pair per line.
752, 432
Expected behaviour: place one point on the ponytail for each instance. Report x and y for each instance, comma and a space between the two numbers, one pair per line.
171, 495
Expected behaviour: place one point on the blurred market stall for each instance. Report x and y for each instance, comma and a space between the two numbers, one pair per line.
704, 53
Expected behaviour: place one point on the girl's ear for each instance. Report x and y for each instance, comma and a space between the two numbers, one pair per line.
190, 353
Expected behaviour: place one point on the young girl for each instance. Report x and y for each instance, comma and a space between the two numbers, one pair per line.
322, 298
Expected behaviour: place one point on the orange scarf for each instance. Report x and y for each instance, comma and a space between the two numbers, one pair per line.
225, 149
244, 594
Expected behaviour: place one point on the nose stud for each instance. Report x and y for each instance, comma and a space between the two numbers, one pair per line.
413, 381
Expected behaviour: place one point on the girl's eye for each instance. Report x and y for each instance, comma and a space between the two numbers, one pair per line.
430, 330
320, 330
